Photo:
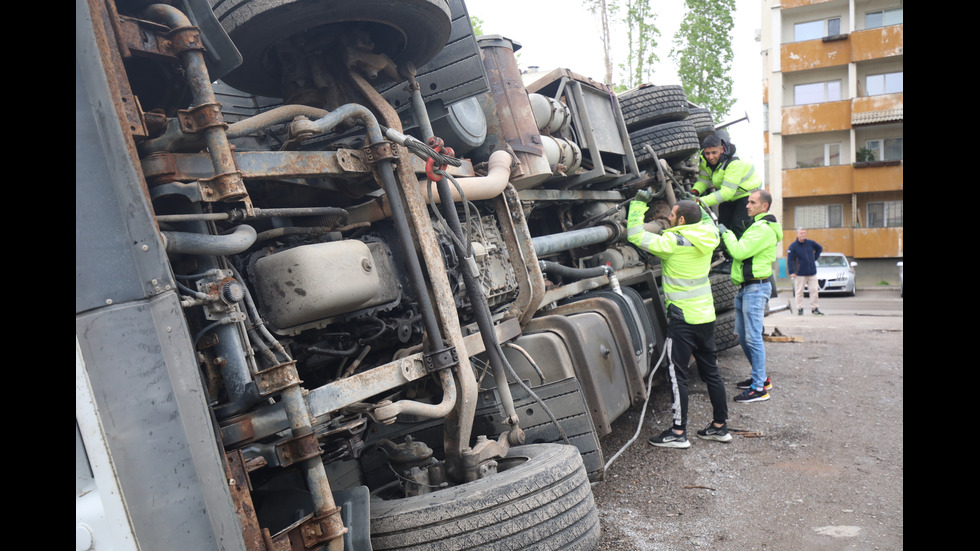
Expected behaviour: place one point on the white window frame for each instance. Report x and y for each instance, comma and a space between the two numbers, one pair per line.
894, 16
893, 211
819, 216
830, 151
879, 146
812, 33
831, 91
890, 83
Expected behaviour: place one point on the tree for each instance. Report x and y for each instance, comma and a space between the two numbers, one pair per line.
703, 53
641, 38
604, 9
641, 35
477, 25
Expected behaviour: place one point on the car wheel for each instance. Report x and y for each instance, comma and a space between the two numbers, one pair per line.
725, 336
650, 105
539, 498
407, 31
703, 122
671, 141
723, 291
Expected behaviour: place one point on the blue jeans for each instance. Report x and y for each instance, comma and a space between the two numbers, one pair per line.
750, 310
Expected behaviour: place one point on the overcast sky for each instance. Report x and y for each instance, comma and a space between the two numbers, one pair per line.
562, 33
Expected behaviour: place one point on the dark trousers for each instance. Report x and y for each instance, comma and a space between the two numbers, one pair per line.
734, 216
683, 340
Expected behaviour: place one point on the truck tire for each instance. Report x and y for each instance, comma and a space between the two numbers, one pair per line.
540, 498
725, 336
410, 30
645, 107
723, 291
671, 141
704, 124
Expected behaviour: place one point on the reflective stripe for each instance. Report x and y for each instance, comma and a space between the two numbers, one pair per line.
683, 241
749, 175
630, 232
673, 382
729, 185
689, 283
648, 240
675, 296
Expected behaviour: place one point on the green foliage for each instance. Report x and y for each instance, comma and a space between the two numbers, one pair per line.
865, 155
641, 34
477, 25
703, 52
641, 37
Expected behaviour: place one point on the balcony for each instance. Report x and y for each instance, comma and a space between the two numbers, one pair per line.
878, 43
815, 54
855, 242
879, 109
816, 117
824, 180
878, 242
833, 51
789, 4
838, 240
880, 176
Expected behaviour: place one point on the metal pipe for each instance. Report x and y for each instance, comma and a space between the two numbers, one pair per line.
478, 303
557, 242
431, 411
476, 189
279, 115
202, 94
202, 243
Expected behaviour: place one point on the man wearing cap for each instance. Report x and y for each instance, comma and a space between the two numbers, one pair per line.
732, 179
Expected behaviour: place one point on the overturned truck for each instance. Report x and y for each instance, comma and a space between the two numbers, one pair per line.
347, 279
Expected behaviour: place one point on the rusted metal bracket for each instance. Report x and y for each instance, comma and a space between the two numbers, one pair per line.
296, 449
185, 39
201, 117
380, 151
441, 359
277, 378
224, 188
323, 528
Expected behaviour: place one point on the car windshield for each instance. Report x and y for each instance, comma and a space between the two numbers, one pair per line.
832, 260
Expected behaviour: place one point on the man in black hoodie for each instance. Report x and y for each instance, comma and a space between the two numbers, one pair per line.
733, 180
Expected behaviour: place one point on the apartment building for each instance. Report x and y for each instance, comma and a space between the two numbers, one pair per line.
833, 95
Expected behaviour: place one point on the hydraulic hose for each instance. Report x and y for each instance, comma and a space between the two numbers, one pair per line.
568, 273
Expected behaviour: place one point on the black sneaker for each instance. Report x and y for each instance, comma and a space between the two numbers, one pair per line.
669, 439
816, 312
799, 312
747, 383
718, 434
752, 395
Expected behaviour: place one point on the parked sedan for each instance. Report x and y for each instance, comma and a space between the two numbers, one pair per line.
835, 274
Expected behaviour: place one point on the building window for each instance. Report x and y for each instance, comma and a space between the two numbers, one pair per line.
809, 156
811, 30
886, 83
888, 149
875, 19
816, 92
819, 216
885, 214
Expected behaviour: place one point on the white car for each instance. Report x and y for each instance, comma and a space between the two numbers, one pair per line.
835, 274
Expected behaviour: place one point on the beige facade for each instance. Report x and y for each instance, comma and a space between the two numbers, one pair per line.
833, 93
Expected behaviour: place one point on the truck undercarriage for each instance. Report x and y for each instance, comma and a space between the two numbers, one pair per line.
345, 278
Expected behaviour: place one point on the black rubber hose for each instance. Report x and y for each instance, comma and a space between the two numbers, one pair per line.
568, 273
